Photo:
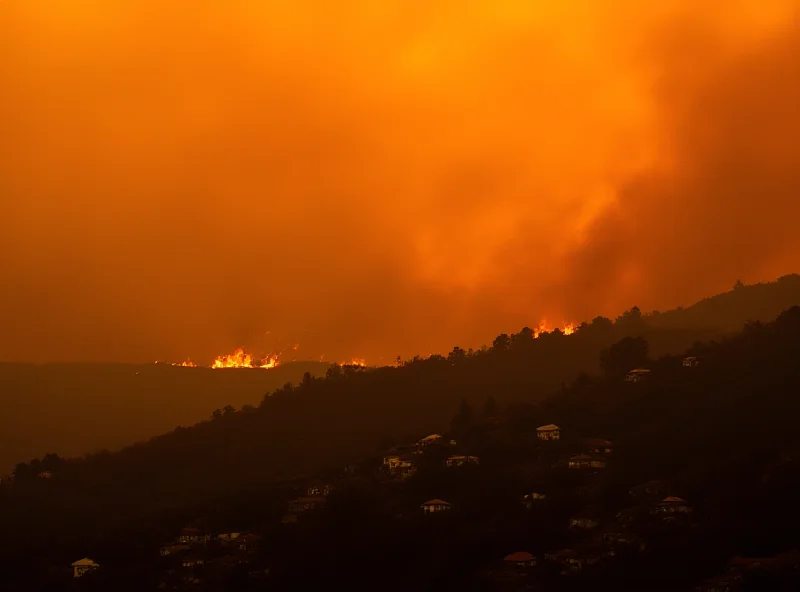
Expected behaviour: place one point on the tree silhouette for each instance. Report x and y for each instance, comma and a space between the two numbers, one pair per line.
625, 355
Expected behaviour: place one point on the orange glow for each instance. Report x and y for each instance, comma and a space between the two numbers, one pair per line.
593, 155
187, 364
240, 359
569, 328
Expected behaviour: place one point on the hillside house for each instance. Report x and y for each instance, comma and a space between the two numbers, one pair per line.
530, 499
673, 505
318, 489
637, 375
172, 549
45, 475
391, 460
586, 461
84, 566
460, 461
193, 536
598, 446
651, 490
453, 443
721, 583
520, 559
548, 432
228, 536
302, 504
691, 362
583, 522
248, 542
192, 561
435, 505
428, 440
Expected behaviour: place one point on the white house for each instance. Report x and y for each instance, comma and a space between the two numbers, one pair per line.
83, 566
435, 505
460, 461
636, 375
428, 440
548, 432
691, 362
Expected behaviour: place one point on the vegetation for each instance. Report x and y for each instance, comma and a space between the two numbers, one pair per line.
720, 435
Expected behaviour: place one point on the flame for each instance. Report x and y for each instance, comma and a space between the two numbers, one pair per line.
187, 364
360, 362
240, 359
295, 346
569, 328
541, 328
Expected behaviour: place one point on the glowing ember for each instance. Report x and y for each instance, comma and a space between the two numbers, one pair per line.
240, 359
187, 364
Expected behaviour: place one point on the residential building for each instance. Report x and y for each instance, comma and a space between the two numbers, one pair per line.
673, 505
318, 489
637, 375
172, 549
598, 446
583, 522
520, 559
460, 461
428, 440
84, 566
193, 536
530, 499
548, 432
585, 461
435, 505
301, 504
248, 542
691, 362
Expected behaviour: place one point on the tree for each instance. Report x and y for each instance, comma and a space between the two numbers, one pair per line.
334, 372
602, 324
457, 355
623, 356
463, 418
631, 320
501, 342
738, 285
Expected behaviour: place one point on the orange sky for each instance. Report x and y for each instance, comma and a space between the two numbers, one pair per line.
181, 178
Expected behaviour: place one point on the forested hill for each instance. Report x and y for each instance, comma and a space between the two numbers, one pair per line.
729, 311
720, 423
73, 409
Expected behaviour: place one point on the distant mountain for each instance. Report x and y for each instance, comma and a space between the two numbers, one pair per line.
73, 409
729, 311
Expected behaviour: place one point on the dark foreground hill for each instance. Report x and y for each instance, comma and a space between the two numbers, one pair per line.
73, 409
720, 435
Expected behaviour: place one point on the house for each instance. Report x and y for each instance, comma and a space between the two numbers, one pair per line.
248, 542
673, 505
636, 375
460, 461
548, 432
45, 475
391, 460
599, 446
83, 566
428, 440
585, 461
228, 536
722, 583
192, 561
530, 499
627, 540
172, 549
301, 504
193, 536
453, 443
583, 522
318, 489
650, 490
435, 505
520, 559
691, 362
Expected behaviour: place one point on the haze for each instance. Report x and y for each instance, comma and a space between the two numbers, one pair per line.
178, 179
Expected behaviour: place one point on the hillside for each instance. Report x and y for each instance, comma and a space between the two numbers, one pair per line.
74, 409
721, 435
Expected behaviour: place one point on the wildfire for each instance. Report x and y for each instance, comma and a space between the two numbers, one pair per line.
186, 364
360, 362
569, 328
240, 359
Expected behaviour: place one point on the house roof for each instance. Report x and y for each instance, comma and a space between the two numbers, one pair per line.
436, 502
83, 562
547, 428
673, 500
431, 438
519, 556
